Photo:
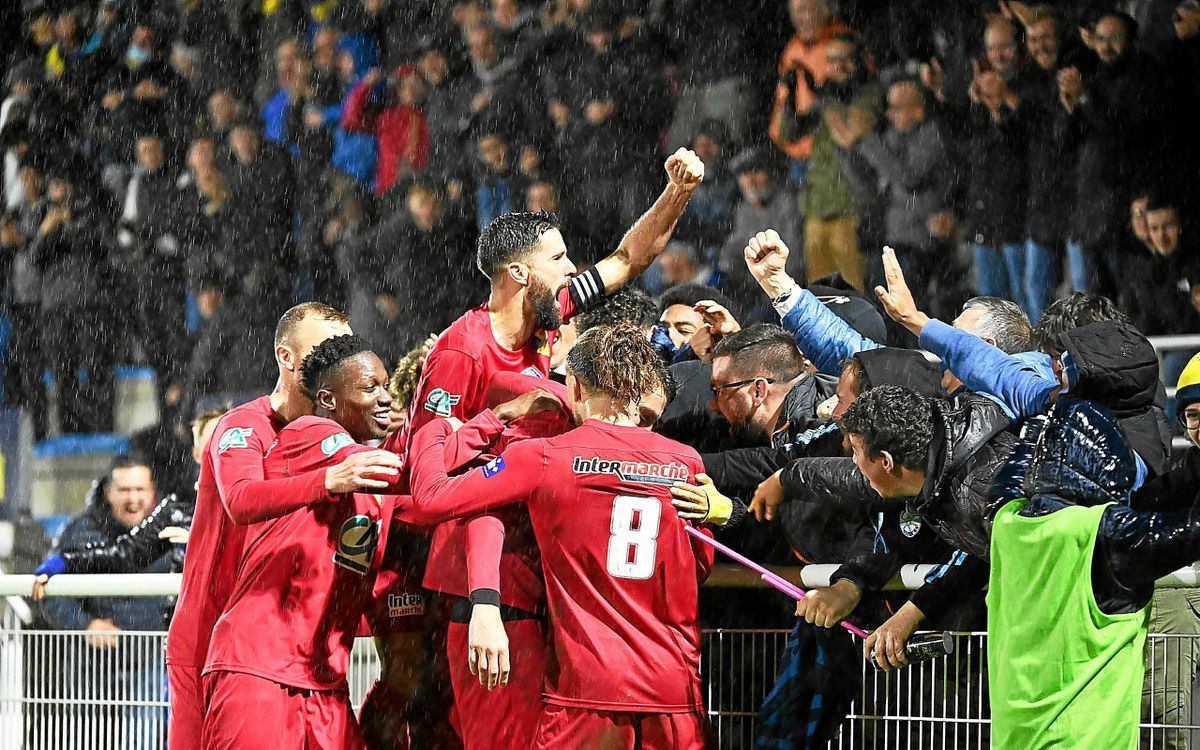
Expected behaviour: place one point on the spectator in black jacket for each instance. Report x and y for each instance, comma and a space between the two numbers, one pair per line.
149, 236
116, 504
262, 196
990, 129
1115, 113
161, 533
1050, 162
1172, 266
76, 303
412, 274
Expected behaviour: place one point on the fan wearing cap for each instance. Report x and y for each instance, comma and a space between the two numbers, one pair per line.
399, 126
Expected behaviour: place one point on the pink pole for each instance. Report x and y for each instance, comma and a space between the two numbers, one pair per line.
772, 579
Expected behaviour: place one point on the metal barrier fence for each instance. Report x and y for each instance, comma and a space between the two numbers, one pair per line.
59, 691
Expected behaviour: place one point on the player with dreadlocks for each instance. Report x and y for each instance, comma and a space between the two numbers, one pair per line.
621, 575
276, 671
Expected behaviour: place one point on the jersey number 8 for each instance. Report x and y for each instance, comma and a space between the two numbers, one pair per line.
634, 541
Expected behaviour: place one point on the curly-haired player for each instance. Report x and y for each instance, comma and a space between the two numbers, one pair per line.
621, 575
276, 671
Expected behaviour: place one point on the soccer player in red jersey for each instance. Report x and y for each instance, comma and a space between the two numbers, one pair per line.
533, 291
276, 670
233, 491
621, 576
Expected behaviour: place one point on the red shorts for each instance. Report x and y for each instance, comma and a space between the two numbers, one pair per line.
398, 603
245, 711
187, 707
505, 718
563, 728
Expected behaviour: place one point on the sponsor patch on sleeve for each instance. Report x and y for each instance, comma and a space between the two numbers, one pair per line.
234, 437
493, 467
441, 403
334, 443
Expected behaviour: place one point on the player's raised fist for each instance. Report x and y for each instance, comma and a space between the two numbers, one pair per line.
685, 169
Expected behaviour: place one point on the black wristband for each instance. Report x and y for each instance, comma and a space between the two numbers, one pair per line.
486, 596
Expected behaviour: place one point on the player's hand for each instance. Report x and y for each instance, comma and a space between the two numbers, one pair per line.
101, 633
826, 607
768, 497
701, 502
886, 643
897, 299
534, 402
685, 170
487, 646
717, 317
362, 471
766, 256
175, 534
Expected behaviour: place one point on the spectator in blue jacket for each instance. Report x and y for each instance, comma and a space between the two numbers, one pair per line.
1094, 352
827, 340
116, 504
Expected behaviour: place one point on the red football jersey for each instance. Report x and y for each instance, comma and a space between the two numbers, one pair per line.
305, 578
497, 550
622, 576
455, 379
455, 383
232, 492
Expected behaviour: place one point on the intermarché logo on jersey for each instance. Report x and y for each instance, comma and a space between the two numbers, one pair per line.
632, 471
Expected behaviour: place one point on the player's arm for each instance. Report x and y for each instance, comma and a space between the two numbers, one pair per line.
249, 497
487, 641
649, 234
509, 478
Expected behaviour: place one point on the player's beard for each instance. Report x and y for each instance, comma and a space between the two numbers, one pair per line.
545, 305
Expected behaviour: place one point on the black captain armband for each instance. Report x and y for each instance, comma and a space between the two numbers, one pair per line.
587, 290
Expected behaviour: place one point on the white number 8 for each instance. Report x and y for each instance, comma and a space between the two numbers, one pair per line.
633, 544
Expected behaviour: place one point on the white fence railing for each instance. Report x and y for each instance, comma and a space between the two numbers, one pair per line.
724, 575
65, 690
58, 691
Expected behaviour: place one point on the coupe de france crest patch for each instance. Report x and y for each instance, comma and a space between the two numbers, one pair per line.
441, 403
356, 544
334, 443
234, 437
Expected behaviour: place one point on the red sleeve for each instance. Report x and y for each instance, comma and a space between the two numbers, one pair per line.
485, 545
237, 457
354, 114
448, 386
419, 135
472, 440
509, 478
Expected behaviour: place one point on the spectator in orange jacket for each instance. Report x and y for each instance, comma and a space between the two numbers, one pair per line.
804, 64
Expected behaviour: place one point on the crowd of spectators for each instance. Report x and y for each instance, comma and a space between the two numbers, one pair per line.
178, 172
171, 163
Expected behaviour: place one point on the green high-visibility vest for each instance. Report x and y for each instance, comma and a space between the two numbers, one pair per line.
1061, 673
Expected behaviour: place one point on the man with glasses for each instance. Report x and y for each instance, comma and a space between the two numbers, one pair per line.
764, 386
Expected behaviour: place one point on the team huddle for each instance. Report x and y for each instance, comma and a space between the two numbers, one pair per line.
540, 515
